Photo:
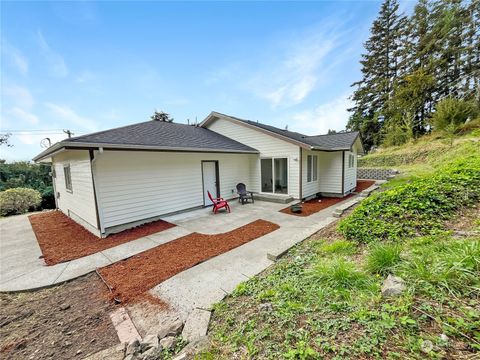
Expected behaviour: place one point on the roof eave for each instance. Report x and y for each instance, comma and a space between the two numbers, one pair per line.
84, 145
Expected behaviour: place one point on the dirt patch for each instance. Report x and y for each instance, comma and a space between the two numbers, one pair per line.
467, 219
130, 278
62, 239
63, 322
320, 203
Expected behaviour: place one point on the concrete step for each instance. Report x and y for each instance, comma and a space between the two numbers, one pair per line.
275, 198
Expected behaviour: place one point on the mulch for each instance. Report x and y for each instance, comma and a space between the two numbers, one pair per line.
62, 239
130, 278
320, 203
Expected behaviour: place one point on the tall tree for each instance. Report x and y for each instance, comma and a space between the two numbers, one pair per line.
381, 64
161, 116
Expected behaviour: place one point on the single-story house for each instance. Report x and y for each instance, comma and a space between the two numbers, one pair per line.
119, 178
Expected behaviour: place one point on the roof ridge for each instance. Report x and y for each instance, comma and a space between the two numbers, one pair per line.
339, 133
103, 131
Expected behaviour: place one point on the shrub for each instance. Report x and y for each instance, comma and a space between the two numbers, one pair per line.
382, 258
415, 208
48, 198
453, 112
18, 200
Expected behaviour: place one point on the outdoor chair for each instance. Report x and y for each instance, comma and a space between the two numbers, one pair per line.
243, 194
218, 203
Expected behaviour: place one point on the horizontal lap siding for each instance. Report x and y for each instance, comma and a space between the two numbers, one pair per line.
81, 201
330, 172
268, 146
350, 173
133, 186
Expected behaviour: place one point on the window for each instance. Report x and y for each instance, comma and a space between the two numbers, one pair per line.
312, 172
351, 160
68, 178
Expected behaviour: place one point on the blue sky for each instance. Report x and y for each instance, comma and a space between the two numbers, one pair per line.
89, 66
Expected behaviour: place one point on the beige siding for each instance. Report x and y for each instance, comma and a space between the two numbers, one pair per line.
268, 146
80, 203
330, 172
350, 172
133, 186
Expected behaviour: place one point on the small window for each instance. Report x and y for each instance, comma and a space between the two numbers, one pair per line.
312, 168
351, 160
68, 178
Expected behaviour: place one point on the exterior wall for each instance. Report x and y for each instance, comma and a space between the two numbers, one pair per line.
80, 203
136, 185
330, 172
350, 173
269, 146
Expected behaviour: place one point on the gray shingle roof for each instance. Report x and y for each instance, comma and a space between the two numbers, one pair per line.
157, 135
329, 142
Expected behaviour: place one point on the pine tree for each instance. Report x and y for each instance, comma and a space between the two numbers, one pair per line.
381, 65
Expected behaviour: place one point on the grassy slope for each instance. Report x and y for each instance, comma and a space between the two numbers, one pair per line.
323, 299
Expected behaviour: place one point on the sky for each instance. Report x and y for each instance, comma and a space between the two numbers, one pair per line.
90, 66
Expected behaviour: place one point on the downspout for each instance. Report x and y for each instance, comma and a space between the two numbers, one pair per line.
100, 225
300, 193
54, 180
343, 172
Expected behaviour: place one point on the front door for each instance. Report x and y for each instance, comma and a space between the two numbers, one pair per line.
210, 180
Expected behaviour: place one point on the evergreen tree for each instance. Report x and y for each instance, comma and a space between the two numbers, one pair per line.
381, 65
161, 116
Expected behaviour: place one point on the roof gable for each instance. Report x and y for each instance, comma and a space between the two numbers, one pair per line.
329, 142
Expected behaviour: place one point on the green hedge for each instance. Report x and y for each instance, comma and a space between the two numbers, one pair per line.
415, 208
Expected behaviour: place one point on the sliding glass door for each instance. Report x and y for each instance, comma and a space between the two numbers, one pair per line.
274, 175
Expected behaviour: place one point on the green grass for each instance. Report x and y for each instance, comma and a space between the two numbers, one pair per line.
339, 274
340, 247
382, 258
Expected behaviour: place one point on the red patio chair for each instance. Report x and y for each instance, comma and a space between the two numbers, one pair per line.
218, 203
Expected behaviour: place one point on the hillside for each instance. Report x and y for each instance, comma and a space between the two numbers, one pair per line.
326, 298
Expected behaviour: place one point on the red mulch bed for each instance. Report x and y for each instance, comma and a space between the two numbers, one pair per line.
130, 278
62, 239
363, 184
315, 205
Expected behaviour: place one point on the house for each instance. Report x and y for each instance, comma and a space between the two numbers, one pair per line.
119, 178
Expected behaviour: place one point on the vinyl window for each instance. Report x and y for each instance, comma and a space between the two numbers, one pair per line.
312, 168
68, 178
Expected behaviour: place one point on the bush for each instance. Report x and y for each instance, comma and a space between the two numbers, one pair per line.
415, 208
18, 201
48, 198
453, 112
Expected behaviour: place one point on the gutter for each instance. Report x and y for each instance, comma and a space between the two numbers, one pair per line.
64, 145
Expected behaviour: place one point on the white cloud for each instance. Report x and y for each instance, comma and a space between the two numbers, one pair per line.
18, 96
331, 115
16, 57
84, 76
57, 65
24, 116
65, 113
35, 139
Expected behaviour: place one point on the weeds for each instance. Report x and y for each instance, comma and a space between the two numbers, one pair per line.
382, 258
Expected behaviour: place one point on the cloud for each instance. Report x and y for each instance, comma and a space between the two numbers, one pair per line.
65, 113
24, 116
84, 76
290, 68
57, 65
15, 57
18, 96
331, 115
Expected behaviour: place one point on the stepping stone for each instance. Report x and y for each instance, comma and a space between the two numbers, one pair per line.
124, 326
196, 325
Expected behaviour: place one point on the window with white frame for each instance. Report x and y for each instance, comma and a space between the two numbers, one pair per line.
68, 178
312, 169
351, 160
